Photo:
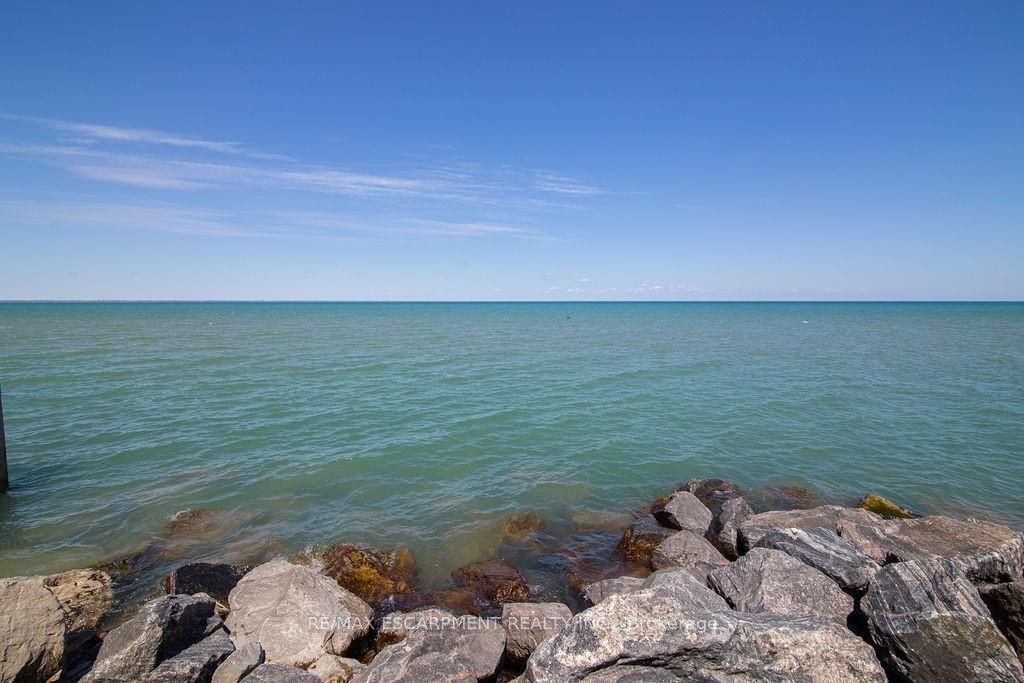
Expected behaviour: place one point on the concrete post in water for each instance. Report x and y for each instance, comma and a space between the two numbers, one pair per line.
3, 448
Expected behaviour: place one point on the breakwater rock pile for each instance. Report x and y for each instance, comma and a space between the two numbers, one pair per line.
703, 585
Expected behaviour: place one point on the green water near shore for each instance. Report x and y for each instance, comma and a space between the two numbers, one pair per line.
424, 425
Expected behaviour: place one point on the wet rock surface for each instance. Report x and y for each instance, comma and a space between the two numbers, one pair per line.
372, 575
641, 538
496, 580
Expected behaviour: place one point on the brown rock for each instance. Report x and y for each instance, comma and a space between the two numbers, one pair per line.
373, 575
458, 600
1005, 602
884, 507
523, 525
496, 580
198, 523
641, 538
87, 597
712, 492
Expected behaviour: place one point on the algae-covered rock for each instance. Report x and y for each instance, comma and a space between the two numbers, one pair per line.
371, 574
884, 507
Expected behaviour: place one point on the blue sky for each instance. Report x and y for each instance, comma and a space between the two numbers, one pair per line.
548, 151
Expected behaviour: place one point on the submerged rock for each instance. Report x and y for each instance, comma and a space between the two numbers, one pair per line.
784, 498
884, 507
162, 629
826, 552
682, 510
496, 580
526, 624
646, 626
766, 580
986, 552
32, 630
202, 523
295, 614
455, 649
216, 580
641, 538
825, 517
522, 526
689, 551
725, 528
373, 575
932, 625
459, 600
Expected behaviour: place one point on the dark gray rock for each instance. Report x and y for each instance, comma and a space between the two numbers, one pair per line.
932, 626
824, 517
196, 663
279, 673
713, 493
684, 511
599, 590
632, 673
986, 552
239, 663
162, 629
1005, 602
650, 628
766, 580
32, 630
456, 649
826, 552
725, 528
295, 614
689, 551
526, 624
216, 580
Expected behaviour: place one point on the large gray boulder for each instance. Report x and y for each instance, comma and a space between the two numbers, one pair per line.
685, 588
295, 614
986, 552
766, 580
725, 528
457, 649
689, 551
31, 630
649, 628
933, 626
599, 590
526, 624
826, 552
196, 663
824, 517
1005, 602
160, 630
239, 663
684, 511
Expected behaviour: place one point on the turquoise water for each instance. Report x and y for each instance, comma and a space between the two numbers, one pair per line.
426, 424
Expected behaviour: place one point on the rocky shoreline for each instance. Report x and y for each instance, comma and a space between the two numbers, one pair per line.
704, 584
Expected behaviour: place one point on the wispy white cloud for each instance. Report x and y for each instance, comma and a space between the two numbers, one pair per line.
554, 182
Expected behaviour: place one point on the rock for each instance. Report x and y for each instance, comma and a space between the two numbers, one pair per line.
32, 630
632, 673
932, 626
496, 580
333, 669
824, 517
216, 580
239, 663
646, 627
713, 493
198, 524
599, 590
1005, 602
522, 526
783, 498
87, 596
279, 673
684, 511
689, 551
725, 528
373, 575
196, 663
986, 552
162, 629
295, 614
641, 538
526, 624
766, 580
826, 552
884, 507
460, 649
686, 589
394, 627
458, 600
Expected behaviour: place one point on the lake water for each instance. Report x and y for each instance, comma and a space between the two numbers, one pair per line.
425, 425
